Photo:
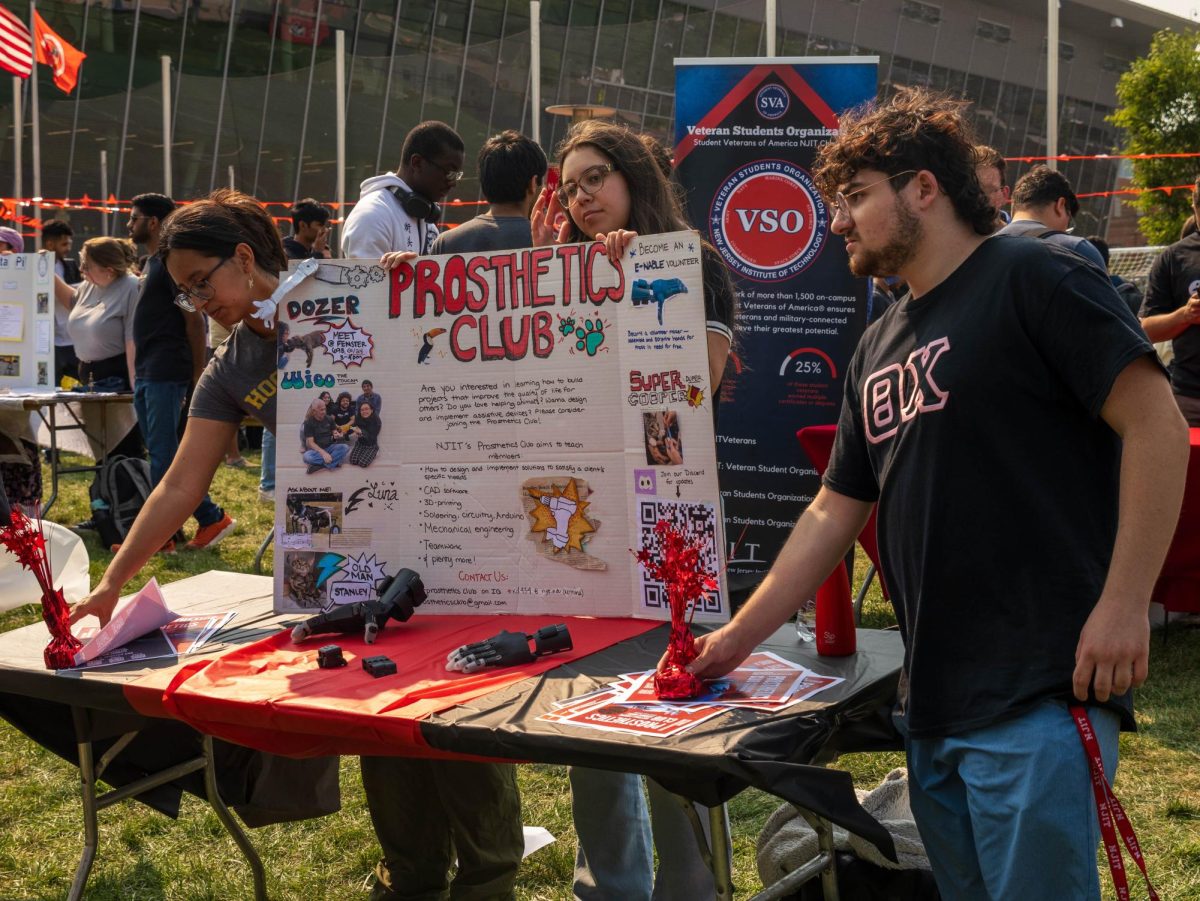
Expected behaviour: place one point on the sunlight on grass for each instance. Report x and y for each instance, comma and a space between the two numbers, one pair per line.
146, 856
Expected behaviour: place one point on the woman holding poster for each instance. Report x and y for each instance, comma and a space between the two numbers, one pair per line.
613, 190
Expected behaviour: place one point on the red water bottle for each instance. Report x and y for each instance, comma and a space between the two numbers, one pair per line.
835, 616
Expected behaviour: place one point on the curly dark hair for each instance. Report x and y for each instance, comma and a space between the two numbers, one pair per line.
914, 129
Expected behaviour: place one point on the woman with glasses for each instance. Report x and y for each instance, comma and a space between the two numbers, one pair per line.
223, 253
613, 190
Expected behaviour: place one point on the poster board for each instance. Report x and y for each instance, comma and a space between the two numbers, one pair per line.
537, 412
747, 132
26, 320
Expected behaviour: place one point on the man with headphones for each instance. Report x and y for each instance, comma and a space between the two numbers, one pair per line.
399, 210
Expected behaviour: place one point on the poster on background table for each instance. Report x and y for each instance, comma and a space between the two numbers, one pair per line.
26, 320
509, 425
746, 134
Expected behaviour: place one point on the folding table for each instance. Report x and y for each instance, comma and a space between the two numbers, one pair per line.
306, 715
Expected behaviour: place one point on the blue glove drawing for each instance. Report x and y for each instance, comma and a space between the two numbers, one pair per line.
658, 290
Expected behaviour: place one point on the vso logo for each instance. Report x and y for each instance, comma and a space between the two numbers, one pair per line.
768, 221
771, 101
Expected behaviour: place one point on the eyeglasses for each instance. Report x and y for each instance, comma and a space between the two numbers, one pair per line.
591, 181
199, 293
842, 201
453, 175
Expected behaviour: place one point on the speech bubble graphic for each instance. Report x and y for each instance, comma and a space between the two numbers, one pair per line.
348, 344
360, 575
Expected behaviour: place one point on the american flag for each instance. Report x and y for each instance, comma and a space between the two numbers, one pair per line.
16, 45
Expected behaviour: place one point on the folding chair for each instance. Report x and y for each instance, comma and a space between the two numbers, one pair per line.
817, 442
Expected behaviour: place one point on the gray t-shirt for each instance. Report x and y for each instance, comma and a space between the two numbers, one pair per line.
1073, 243
101, 320
240, 380
485, 233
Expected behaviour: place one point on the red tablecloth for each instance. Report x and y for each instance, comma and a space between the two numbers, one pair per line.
271, 695
1178, 586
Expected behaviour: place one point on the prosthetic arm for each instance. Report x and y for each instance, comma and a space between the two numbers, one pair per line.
509, 649
399, 595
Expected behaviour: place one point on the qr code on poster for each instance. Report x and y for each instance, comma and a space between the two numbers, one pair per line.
696, 521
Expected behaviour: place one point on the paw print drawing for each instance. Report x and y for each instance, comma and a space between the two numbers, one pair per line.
566, 325
590, 336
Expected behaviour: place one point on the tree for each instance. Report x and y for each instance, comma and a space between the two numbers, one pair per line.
1159, 107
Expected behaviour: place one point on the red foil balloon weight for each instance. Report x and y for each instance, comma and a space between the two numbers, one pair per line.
675, 561
24, 538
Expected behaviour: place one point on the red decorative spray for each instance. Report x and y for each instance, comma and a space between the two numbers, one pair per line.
24, 538
675, 561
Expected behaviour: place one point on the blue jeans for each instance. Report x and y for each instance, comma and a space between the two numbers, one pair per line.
159, 408
1006, 811
266, 477
615, 861
337, 451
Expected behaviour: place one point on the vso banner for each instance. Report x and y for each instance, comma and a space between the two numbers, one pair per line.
746, 134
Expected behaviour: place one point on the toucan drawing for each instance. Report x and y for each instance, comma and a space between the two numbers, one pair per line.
427, 345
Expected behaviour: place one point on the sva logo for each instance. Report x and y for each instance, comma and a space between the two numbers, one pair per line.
771, 101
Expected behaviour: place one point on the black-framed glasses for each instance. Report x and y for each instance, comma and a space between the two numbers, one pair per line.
199, 293
591, 181
842, 201
454, 175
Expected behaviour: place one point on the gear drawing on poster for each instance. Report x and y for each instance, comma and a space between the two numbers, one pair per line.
560, 526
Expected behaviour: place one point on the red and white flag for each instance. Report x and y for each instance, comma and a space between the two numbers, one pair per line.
16, 45
63, 59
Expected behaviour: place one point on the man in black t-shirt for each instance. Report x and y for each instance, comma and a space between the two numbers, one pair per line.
1171, 312
310, 231
169, 356
996, 415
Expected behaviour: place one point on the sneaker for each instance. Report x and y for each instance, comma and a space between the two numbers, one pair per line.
210, 536
168, 548
267, 496
88, 525
315, 467
237, 463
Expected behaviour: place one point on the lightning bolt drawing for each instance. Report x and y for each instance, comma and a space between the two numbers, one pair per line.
327, 565
354, 500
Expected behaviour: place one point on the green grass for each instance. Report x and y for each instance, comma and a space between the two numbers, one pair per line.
145, 856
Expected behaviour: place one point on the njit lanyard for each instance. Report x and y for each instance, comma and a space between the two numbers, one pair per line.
1111, 813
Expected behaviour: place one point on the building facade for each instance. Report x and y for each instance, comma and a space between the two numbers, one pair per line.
253, 81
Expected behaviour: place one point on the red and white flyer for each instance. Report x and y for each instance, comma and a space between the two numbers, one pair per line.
643, 719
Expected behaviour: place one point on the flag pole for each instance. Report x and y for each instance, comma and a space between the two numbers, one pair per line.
18, 163
35, 115
166, 124
104, 187
340, 108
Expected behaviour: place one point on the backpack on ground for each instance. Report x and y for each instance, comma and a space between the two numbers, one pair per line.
118, 492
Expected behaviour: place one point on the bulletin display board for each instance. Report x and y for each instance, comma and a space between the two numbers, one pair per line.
26, 320
537, 413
